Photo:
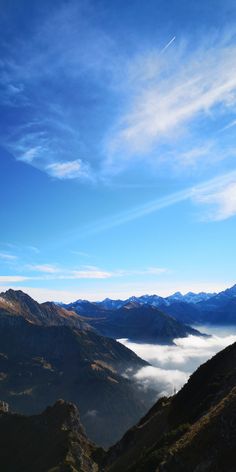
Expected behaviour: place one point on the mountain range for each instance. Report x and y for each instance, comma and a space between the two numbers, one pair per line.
140, 323
191, 309
48, 353
135, 321
192, 431
154, 300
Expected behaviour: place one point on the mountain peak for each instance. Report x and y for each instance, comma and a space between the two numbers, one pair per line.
57, 441
18, 303
66, 415
232, 290
15, 294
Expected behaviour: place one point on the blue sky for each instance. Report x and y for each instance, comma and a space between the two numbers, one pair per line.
117, 150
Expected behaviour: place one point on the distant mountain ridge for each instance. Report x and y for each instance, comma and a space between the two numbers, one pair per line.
135, 321
191, 308
155, 300
219, 309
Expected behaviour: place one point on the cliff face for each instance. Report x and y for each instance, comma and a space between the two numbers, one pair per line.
208, 444
52, 441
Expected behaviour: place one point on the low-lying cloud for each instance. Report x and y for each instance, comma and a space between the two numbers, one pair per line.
164, 381
171, 365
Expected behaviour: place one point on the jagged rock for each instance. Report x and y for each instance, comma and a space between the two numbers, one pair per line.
52, 441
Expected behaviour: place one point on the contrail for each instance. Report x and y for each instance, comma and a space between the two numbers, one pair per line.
153, 206
135, 213
168, 44
230, 125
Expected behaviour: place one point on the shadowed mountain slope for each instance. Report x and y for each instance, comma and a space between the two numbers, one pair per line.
142, 323
192, 431
18, 303
41, 363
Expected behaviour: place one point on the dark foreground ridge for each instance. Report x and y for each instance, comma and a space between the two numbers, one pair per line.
192, 431
53, 441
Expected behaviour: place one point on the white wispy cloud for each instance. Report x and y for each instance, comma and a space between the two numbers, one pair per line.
81, 253
76, 169
155, 96
192, 157
231, 124
222, 202
54, 272
29, 155
183, 87
93, 272
148, 271
51, 272
197, 194
48, 268
34, 249
7, 257
48, 134
13, 278
90, 272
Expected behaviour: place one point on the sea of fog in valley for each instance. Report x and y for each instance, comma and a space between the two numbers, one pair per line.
171, 365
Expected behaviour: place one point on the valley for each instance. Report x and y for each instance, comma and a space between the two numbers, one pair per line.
51, 352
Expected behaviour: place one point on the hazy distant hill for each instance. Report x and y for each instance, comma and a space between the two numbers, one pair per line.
41, 363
